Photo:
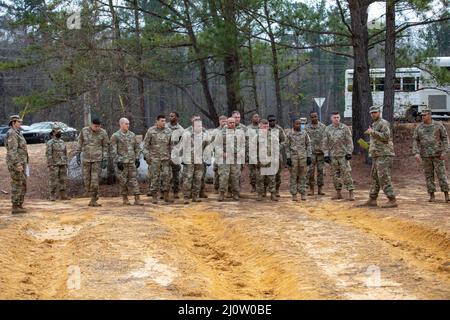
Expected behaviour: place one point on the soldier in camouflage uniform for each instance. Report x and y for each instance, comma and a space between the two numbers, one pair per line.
254, 125
222, 123
298, 153
125, 152
266, 168
157, 153
229, 161
94, 143
17, 162
177, 131
282, 141
56, 153
194, 141
381, 150
315, 131
431, 148
338, 147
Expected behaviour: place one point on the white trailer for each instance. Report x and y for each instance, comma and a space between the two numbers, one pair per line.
414, 88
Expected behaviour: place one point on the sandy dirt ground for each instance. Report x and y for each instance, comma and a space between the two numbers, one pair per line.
317, 249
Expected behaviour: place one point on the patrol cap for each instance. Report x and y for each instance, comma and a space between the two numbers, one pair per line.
14, 118
425, 110
375, 109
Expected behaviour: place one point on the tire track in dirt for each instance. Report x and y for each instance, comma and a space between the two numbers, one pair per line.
232, 264
423, 247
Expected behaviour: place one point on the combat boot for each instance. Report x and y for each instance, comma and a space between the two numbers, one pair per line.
175, 195
195, 198
273, 196
63, 195
94, 203
221, 196
137, 200
52, 197
236, 196
447, 199
432, 198
319, 191
259, 197
167, 197
125, 200
392, 203
311, 190
155, 198
17, 210
203, 194
338, 195
264, 194
372, 202
351, 196
277, 193
186, 200
303, 197
253, 189
294, 197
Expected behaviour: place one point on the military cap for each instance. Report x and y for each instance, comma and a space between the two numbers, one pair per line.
425, 109
375, 109
14, 118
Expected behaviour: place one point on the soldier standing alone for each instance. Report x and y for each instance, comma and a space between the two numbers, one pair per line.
125, 152
17, 162
56, 153
381, 150
94, 143
431, 147
338, 147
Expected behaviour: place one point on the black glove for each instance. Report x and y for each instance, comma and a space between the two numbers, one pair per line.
348, 157
79, 159
104, 163
207, 164
327, 159
182, 163
119, 165
289, 162
308, 161
137, 163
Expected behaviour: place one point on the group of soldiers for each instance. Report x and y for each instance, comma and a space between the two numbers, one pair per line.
305, 150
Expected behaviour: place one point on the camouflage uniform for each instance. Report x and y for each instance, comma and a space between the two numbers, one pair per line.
229, 174
56, 154
253, 167
381, 150
298, 149
126, 149
157, 153
336, 144
176, 168
282, 142
193, 170
215, 166
94, 146
315, 133
264, 182
16, 156
430, 141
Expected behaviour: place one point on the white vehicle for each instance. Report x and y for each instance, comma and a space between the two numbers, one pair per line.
414, 88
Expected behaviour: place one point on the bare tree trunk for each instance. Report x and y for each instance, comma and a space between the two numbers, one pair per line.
275, 66
362, 95
389, 79
253, 73
140, 79
213, 116
231, 60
